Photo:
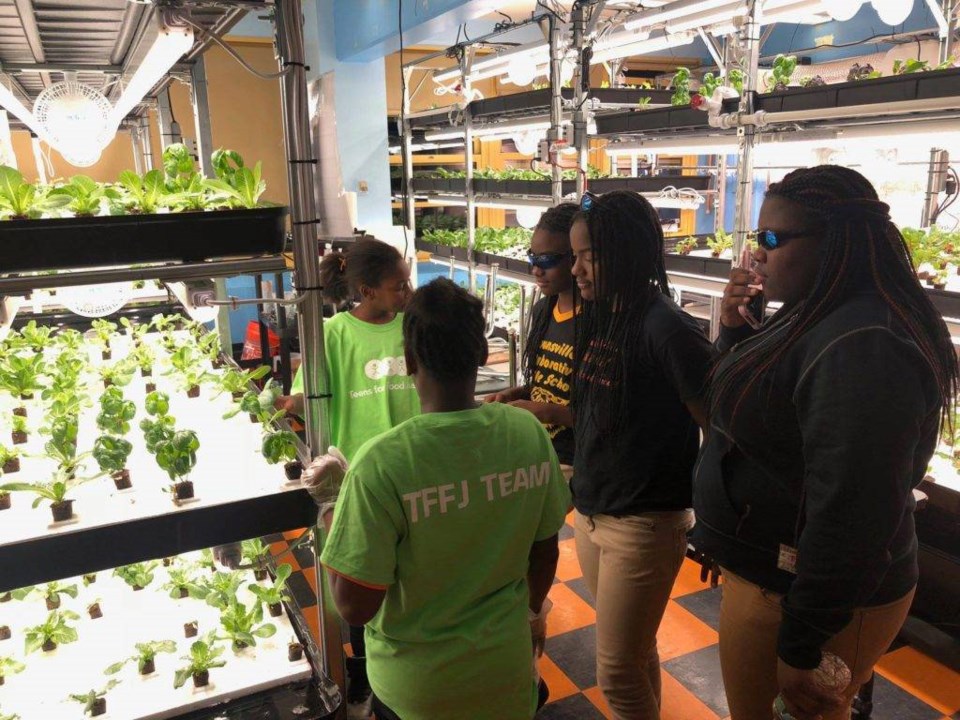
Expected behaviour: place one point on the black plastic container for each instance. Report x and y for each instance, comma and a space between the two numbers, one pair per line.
649, 184
59, 243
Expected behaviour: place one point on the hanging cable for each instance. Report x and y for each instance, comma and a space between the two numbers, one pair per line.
233, 53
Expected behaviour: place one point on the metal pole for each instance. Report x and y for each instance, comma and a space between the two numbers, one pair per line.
556, 110
147, 142
720, 200
406, 145
946, 39
936, 178
201, 121
465, 62
581, 114
137, 149
300, 173
745, 133
285, 374
169, 128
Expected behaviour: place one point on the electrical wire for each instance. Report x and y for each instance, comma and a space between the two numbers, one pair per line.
233, 53
949, 200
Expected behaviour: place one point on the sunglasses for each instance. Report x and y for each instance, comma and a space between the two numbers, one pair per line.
547, 261
587, 201
771, 240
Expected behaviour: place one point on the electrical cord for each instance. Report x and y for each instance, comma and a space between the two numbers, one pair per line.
951, 199
233, 53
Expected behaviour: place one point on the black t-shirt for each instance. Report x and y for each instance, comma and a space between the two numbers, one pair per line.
553, 371
648, 465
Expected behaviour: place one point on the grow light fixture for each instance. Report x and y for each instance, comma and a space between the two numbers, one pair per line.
492, 131
495, 65
170, 45
709, 145
11, 103
616, 47
417, 147
673, 11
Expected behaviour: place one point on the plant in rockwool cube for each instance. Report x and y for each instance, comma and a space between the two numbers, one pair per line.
55, 492
144, 356
38, 337
9, 716
255, 553
119, 374
53, 591
19, 432
159, 427
20, 376
259, 405
681, 87
86, 197
137, 575
710, 83
237, 382
145, 657
55, 630
69, 340
209, 345
273, 595
686, 246
94, 610
178, 456
115, 412
95, 701
10, 666
134, 330
186, 363
720, 243
221, 588
204, 656
19, 200
103, 332
62, 445
111, 454
242, 625
281, 446
141, 195
782, 72
181, 584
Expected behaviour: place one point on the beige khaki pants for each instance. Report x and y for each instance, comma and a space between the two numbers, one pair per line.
749, 623
630, 565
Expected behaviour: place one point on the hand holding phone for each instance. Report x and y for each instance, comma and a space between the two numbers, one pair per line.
743, 297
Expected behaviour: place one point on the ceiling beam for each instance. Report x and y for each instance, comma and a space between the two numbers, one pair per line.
28, 21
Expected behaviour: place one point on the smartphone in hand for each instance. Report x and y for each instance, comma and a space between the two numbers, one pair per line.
753, 312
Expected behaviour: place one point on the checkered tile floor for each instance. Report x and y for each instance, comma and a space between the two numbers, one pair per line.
909, 685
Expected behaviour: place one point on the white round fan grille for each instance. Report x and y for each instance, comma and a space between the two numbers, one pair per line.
95, 300
75, 118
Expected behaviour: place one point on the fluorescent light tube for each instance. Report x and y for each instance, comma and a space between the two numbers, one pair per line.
11, 103
607, 52
707, 17
673, 11
167, 49
701, 145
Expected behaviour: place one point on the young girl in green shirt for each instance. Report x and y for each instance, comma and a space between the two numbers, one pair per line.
366, 372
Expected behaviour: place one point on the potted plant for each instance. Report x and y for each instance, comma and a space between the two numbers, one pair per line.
52, 594
186, 363
95, 701
142, 195
9, 460
255, 553
281, 446
135, 331
272, 595
178, 456
54, 631
111, 454
940, 279
55, 492
782, 72
19, 200
144, 357
119, 374
104, 330
182, 585
9, 666
242, 189
243, 625
19, 433
294, 650
115, 412
138, 575
20, 376
686, 246
94, 610
145, 657
720, 243
221, 589
259, 405
209, 345
204, 656
86, 197
62, 445
237, 382
681, 87
37, 337
862, 72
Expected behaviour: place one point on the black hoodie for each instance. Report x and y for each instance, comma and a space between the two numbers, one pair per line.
822, 459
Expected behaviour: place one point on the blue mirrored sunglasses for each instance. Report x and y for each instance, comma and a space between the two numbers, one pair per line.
771, 240
546, 261
587, 201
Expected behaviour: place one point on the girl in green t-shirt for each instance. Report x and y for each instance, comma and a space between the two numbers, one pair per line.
366, 373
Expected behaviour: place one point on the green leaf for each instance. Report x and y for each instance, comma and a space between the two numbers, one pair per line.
115, 668
180, 678
266, 630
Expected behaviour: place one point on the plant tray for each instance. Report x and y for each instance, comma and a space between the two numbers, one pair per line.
535, 101
947, 303
897, 88
60, 243
698, 265
523, 187
680, 117
441, 185
649, 184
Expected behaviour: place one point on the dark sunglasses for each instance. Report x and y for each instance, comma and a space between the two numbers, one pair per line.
546, 261
587, 201
771, 240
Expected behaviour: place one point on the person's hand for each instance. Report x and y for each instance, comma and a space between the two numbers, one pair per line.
538, 627
803, 696
324, 476
744, 285
544, 412
290, 404
506, 396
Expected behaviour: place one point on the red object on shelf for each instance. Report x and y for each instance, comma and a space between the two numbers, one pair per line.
251, 344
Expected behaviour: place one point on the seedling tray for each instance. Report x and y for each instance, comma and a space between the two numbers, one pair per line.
680, 117
698, 265
649, 184
536, 101
60, 243
440, 185
897, 88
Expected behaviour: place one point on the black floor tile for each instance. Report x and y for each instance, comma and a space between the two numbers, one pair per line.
699, 672
575, 707
579, 586
891, 702
302, 593
304, 556
704, 604
566, 532
575, 653
274, 538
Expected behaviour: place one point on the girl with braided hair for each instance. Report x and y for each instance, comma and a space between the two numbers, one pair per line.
822, 423
640, 368
548, 355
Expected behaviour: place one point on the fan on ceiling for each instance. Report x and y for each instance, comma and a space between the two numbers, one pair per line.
75, 119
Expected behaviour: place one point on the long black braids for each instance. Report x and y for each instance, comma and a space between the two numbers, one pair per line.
861, 249
557, 221
626, 241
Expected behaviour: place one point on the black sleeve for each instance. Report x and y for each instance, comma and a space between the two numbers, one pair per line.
684, 354
864, 406
729, 337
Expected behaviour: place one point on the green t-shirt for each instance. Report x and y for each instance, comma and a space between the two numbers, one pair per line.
442, 512
368, 380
